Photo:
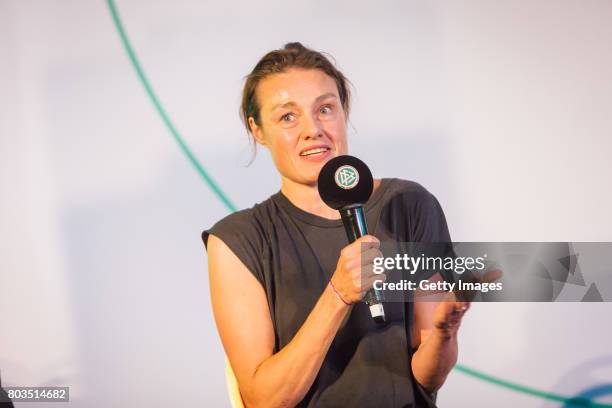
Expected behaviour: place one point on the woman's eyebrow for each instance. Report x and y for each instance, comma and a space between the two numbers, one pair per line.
325, 96
291, 103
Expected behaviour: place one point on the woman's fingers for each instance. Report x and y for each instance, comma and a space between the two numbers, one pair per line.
368, 255
448, 315
492, 275
355, 269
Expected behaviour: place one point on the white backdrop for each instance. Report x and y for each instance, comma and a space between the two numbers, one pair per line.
502, 109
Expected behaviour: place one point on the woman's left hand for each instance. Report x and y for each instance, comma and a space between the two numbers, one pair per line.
449, 312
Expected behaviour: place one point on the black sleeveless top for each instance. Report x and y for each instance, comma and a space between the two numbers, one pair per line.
293, 254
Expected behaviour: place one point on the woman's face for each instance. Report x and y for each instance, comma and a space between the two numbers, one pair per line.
303, 123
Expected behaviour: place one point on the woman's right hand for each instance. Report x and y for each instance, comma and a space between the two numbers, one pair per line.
354, 273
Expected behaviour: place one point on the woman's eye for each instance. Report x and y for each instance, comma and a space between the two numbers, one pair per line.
288, 117
325, 109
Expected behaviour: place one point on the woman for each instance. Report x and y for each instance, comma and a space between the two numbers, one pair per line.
286, 289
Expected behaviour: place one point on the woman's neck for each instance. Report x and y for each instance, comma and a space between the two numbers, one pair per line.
307, 198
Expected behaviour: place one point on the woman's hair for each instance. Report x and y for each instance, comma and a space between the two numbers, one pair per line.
292, 55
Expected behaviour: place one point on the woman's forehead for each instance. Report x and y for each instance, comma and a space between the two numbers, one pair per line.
297, 86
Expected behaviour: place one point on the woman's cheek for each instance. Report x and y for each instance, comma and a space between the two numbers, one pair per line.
339, 133
283, 150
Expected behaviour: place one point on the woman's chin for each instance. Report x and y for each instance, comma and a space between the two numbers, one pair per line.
309, 178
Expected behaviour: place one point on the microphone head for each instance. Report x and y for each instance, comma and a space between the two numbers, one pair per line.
345, 181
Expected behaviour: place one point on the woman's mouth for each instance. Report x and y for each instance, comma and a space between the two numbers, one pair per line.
314, 152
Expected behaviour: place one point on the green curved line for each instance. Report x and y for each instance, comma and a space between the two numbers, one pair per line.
162, 112
583, 402
580, 402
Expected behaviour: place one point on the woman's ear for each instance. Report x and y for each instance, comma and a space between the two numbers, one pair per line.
256, 132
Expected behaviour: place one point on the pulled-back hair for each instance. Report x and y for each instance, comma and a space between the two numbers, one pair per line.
292, 55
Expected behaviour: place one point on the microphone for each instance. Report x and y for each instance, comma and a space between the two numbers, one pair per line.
345, 184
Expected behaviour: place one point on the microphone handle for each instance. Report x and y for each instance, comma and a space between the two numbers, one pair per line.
353, 218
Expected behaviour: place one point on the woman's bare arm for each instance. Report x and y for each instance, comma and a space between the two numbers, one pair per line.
243, 320
435, 334
437, 322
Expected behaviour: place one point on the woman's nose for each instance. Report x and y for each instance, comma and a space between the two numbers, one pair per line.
312, 128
